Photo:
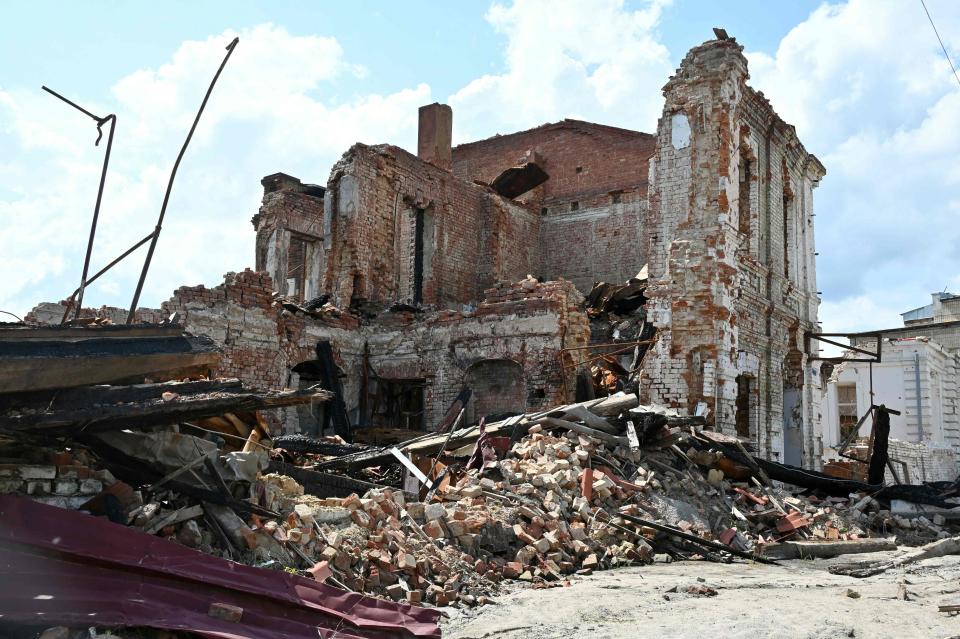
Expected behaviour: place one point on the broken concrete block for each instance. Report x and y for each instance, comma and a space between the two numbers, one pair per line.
35, 487
65, 487
541, 545
434, 511
38, 472
305, 513
10, 486
471, 491
189, 534
91, 486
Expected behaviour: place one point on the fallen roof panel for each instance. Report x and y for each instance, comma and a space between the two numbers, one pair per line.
65, 567
38, 358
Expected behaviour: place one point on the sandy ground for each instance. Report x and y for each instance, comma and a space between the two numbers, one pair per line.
798, 599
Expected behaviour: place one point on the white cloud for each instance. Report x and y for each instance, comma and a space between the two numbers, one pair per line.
864, 82
871, 94
565, 58
273, 109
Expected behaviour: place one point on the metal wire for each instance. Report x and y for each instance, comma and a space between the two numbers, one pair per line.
940, 40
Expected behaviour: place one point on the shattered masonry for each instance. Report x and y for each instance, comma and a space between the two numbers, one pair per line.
413, 268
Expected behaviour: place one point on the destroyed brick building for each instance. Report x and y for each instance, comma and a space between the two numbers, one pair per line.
411, 271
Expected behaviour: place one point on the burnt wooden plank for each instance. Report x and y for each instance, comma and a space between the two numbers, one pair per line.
155, 412
29, 374
71, 333
86, 396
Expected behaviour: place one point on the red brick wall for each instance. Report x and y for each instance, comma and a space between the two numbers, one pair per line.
604, 239
374, 193
581, 158
593, 207
526, 322
260, 341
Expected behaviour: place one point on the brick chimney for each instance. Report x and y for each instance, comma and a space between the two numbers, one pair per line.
434, 135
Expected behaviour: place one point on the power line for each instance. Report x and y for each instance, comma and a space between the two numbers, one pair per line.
947, 55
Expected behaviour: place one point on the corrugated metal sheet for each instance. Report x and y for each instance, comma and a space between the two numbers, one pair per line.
61, 567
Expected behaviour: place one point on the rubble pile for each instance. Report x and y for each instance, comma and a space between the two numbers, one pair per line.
620, 331
568, 497
560, 502
537, 498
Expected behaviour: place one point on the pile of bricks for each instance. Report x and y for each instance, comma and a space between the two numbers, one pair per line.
532, 524
551, 508
559, 503
64, 480
531, 289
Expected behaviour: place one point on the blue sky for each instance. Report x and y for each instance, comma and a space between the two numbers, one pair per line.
864, 82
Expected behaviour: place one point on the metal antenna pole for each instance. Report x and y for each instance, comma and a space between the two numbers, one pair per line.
173, 174
112, 119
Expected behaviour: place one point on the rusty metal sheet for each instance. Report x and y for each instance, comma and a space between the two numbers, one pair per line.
65, 567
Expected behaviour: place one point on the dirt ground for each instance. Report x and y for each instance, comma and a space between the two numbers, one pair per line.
798, 599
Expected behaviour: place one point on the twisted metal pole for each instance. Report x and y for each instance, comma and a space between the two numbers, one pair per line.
173, 175
112, 119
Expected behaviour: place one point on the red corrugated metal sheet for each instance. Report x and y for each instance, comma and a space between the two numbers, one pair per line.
64, 567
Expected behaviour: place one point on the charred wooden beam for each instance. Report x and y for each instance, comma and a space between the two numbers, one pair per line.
86, 396
154, 412
33, 359
322, 484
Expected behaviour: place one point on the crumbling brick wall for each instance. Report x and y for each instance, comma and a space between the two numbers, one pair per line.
581, 158
594, 204
474, 235
732, 282
52, 313
528, 323
291, 211
261, 342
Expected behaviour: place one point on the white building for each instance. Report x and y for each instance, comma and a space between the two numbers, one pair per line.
917, 377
